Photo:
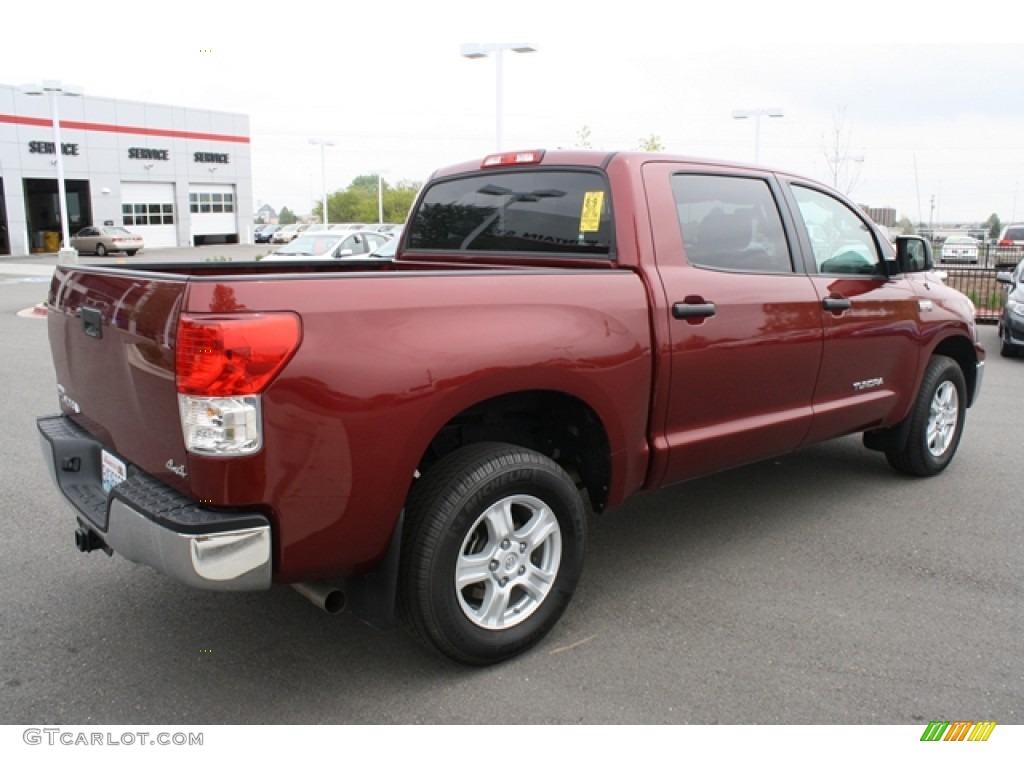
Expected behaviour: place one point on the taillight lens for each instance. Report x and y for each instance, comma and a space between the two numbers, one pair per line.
230, 355
222, 363
1005, 243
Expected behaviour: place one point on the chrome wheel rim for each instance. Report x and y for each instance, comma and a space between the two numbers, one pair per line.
508, 562
942, 419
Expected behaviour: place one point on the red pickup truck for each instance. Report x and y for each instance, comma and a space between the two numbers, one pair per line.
424, 438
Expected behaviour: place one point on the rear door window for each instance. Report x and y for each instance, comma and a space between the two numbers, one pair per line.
557, 212
730, 223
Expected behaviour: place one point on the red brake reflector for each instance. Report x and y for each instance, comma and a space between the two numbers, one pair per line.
228, 355
529, 157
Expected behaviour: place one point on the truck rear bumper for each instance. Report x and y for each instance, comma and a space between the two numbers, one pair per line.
148, 522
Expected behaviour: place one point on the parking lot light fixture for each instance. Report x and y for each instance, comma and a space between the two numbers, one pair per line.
483, 50
324, 143
53, 89
757, 114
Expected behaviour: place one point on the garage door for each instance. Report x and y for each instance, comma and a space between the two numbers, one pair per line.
148, 210
212, 209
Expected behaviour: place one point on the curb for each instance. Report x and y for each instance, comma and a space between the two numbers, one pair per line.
39, 310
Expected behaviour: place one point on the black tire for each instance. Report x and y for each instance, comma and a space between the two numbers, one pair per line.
1006, 349
101, 249
935, 423
510, 524
131, 252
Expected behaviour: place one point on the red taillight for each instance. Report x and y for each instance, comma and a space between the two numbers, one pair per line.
1005, 243
530, 157
228, 355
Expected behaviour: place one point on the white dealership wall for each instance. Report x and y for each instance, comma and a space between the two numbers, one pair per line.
202, 152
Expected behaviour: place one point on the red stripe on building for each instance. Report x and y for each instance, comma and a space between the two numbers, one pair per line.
127, 129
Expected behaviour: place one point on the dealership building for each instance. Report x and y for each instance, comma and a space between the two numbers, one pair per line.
174, 175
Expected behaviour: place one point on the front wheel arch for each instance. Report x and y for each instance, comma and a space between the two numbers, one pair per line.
930, 435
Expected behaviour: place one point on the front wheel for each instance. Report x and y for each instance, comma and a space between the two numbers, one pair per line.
492, 552
1006, 349
936, 421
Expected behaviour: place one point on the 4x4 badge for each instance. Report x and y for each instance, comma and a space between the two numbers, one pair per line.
178, 469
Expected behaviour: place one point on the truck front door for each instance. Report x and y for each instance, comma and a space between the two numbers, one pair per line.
871, 321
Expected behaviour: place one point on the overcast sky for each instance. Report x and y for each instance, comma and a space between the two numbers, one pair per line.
920, 106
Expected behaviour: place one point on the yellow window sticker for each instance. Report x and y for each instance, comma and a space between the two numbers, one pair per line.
590, 217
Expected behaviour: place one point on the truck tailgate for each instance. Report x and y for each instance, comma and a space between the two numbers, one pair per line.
111, 334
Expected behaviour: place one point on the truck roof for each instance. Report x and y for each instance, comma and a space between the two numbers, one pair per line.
582, 157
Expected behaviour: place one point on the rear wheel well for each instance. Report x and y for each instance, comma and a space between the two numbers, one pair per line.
560, 426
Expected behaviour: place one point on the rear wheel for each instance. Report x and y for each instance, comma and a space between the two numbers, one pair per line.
936, 421
131, 252
101, 249
492, 552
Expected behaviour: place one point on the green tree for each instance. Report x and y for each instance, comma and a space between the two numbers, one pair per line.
359, 201
906, 226
285, 217
994, 226
399, 199
651, 143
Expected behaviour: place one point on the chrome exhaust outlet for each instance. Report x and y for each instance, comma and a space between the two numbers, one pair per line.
326, 597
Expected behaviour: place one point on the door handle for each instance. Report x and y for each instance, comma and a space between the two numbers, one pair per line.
833, 304
681, 310
92, 322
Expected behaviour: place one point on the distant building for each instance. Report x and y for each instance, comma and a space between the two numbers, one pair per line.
886, 217
171, 174
267, 215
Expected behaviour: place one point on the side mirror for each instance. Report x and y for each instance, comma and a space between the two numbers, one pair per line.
914, 254
1004, 277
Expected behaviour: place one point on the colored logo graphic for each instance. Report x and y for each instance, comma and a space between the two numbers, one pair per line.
958, 730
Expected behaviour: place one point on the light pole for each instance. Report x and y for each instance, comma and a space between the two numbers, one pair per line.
53, 88
379, 172
757, 114
380, 198
481, 51
324, 143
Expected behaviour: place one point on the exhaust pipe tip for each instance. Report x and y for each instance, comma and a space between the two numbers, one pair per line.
326, 597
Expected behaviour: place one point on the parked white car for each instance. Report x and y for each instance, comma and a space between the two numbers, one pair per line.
330, 244
960, 248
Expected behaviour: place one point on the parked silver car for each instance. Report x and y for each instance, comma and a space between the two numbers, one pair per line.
104, 240
288, 233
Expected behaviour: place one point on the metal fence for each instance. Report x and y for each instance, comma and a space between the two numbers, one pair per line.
980, 286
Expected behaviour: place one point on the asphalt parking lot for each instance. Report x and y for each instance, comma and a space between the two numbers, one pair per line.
815, 588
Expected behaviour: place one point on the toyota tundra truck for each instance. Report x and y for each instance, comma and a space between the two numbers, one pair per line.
422, 440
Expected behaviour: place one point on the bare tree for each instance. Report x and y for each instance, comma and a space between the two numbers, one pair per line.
836, 147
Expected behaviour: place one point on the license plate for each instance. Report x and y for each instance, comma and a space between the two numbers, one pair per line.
114, 471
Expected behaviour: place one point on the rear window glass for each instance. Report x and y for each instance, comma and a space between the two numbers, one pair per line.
564, 213
1015, 233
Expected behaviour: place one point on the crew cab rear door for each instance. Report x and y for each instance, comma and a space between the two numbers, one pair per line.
742, 319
